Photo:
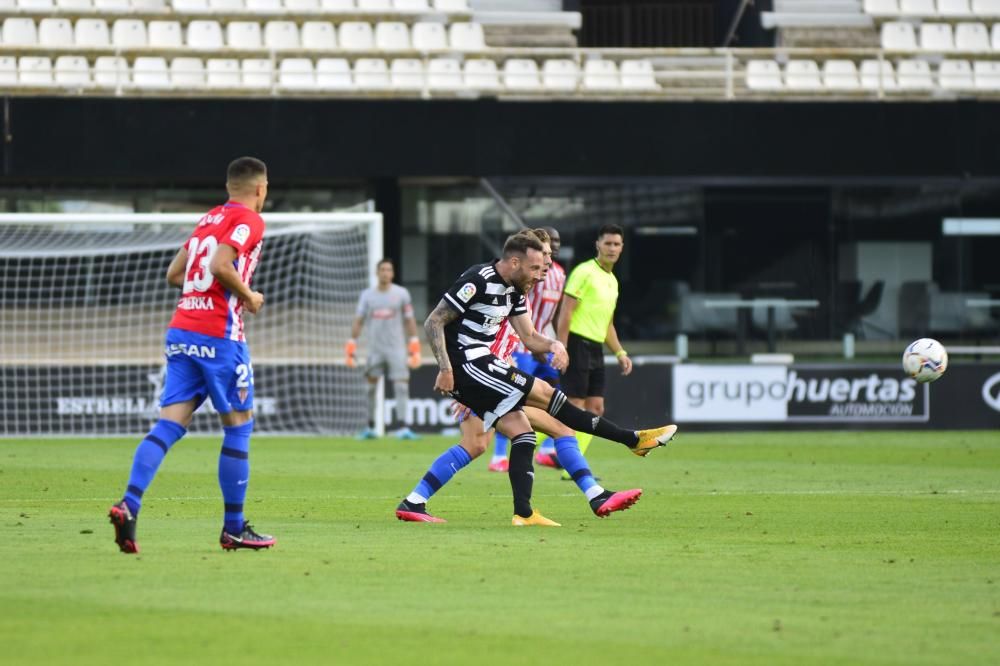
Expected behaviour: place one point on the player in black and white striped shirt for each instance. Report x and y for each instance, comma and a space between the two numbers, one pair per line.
460, 331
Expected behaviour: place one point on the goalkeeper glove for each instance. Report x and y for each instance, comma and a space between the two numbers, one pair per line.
413, 347
349, 350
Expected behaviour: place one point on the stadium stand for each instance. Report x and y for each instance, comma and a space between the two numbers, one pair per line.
896, 48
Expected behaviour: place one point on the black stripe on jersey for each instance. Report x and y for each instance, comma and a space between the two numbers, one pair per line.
482, 312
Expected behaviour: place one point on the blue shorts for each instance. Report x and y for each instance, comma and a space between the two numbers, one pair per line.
201, 366
527, 364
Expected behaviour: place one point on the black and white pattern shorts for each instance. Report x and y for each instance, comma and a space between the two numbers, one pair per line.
490, 387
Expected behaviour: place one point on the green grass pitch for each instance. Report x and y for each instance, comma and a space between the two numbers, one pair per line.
776, 548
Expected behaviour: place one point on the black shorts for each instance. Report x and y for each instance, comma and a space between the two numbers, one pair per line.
584, 377
490, 387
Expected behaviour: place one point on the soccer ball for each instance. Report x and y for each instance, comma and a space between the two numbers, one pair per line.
925, 360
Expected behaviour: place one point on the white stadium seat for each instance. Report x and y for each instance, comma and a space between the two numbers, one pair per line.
187, 72
392, 36
149, 6
802, 75
205, 35
451, 5
481, 74
19, 32
302, 5
111, 71
296, 74
986, 8
150, 72
223, 73
356, 36
35, 5
72, 70
333, 74
375, 5
764, 75
257, 73
560, 74
987, 74
973, 37
429, 37
638, 75
92, 32
601, 75
165, 34
190, 6
243, 35
281, 35
227, 6
994, 36
74, 5
34, 71
335, 6
112, 6
466, 37
936, 37
840, 75
11, 6
955, 75
264, 6
917, 8
521, 74
57, 32
898, 36
953, 8
128, 33
914, 75
320, 35
8, 71
406, 74
878, 74
372, 73
882, 7
444, 74
410, 5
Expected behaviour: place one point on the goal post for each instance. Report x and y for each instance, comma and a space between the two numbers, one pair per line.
84, 305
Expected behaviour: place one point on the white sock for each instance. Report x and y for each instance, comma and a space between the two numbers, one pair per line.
593, 492
414, 498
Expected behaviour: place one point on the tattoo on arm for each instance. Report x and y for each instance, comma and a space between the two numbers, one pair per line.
440, 317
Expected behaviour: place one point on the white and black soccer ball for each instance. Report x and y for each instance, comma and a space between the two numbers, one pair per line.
925, 360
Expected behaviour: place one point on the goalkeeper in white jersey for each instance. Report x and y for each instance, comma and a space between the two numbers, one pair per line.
385, 309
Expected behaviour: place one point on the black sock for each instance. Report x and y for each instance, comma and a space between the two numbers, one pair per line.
583, 421
521, 473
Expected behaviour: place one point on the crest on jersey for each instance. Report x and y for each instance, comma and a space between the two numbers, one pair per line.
467, 291
241, 233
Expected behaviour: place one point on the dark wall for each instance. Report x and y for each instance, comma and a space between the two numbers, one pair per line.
62, 141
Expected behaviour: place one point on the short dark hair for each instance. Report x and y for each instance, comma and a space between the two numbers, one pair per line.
520, 243
541, 234
612, 229
385, 260
243, 170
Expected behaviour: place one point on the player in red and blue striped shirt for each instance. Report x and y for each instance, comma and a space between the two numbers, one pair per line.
543, 302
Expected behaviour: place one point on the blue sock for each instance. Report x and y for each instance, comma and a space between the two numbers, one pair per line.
548, 446
148, 456
440, 473
568, 452
234, 473
500, 446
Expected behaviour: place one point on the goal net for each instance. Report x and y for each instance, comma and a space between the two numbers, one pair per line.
84, 305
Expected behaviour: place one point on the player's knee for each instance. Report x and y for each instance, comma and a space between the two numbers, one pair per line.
476, 445
235, 418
